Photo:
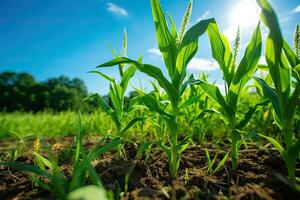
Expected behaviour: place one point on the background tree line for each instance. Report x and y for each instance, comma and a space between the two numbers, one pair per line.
21, 92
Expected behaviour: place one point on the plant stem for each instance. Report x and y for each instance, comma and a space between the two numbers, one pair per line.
175, 157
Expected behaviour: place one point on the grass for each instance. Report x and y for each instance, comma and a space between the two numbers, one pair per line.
47, 124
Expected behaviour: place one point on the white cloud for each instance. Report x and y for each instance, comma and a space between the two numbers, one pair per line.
154, 52
204, 16
199, 64
297, 9
117, 10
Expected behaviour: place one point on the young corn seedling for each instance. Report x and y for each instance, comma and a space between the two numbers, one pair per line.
282, 63
177, 51
118, 112
211, 168
83, 172
236, 76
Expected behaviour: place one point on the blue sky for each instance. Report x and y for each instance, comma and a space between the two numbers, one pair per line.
71, 37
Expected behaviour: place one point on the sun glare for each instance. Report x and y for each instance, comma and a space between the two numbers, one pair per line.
245, 14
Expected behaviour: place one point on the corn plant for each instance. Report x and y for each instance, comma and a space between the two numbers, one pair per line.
236, 77
177, 51
282, 63
82, 174
118, 112
211, 168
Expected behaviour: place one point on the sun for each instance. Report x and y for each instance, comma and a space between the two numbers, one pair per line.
245, 14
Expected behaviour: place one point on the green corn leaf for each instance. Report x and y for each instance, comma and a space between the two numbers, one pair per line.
143, 147
221, 50
275, 143
204, 112
164, 148
25, 167
43, 161
188, 47
269, 18
150, 70
189, 102
87, 193
296, 72
246, 68
214, 93
115, 117
102, 104
291, 56
279, 67
128, 74
292, 103
165, 40
291, 155
271, 94
191, 80
294, 61
221, 163
132, 122
59, 183
103, 75
153, 104
246, 118
91, 170
100, 149
184, 143
115, 98
173, 27
207, 155
78, 139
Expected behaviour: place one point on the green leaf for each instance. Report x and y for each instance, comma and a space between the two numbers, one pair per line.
132, 122
275, 143
271, 94
59, 183
115, 98
269, 18
292, 103
291, 155
78, 139
91, 170
103, 75
150, 70
246, 68
128, 74
188, 47
191, 80
25, 167
43, 161
209, 162
221, 50
189, 102
166, 42
246, 118
290, 55
173, 27
87, 193
184, 143
102, 104
100, 149
214, 93
221, 163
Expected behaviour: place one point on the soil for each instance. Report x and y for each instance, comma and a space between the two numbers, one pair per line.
260, 175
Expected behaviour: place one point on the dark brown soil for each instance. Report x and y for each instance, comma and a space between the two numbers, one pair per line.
260, 175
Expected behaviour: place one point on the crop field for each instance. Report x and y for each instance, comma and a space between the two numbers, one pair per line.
184, 139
